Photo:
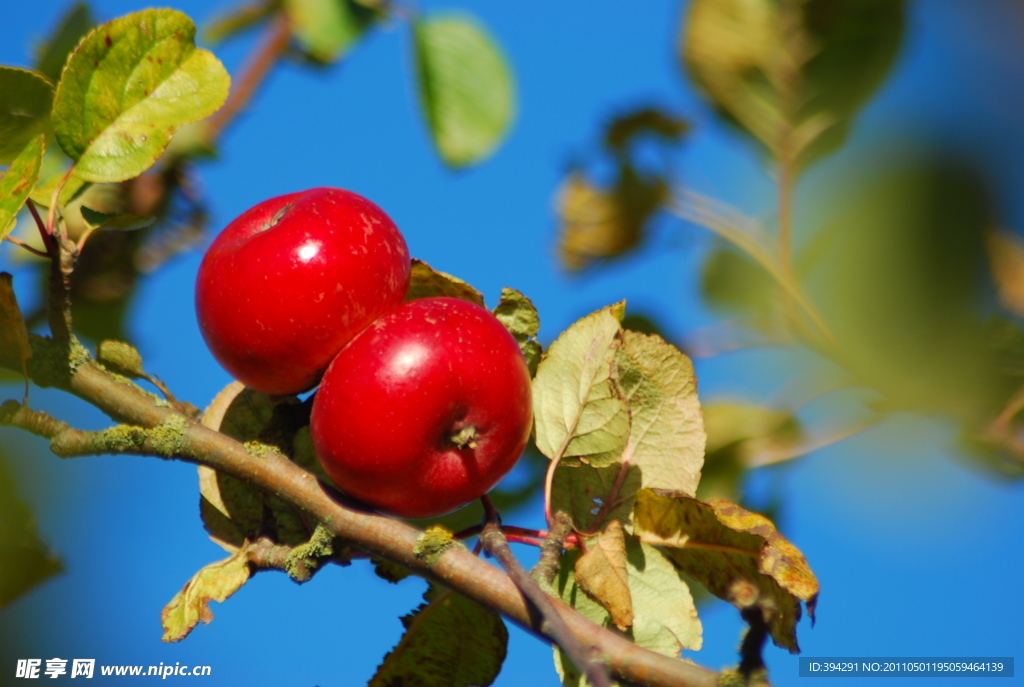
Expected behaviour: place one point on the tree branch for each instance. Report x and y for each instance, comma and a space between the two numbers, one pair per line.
551, 622
255, 72
381, 536
551, 551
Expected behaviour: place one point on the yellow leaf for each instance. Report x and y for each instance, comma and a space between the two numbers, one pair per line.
738, 555
215, 582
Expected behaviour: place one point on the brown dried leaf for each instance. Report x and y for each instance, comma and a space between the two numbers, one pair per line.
426, 282
738, 555
233, 510
597, 223
14, 345
1006, 258
215, 582
213, 416
601, 574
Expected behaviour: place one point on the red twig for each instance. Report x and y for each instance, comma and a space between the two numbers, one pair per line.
48, 241
30, 249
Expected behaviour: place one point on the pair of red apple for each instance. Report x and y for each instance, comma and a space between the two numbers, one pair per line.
422, 406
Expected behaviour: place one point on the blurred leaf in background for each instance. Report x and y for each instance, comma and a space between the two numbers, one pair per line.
791, 73
25, 560
52, 55
466, 87
599, 222
326, 29
906, 289
738, 433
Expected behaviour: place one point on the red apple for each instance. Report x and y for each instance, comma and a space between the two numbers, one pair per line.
425, 410
286, 285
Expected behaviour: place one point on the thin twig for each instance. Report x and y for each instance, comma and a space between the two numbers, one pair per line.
549, 477
551, 622
813, 444
612, 498
263, 59
51, 213
688, 207
48, 241
85, 237
752, 666
21, 244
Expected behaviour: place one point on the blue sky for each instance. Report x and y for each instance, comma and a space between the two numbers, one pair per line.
917, 555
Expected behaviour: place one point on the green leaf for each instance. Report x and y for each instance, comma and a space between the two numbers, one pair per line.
426, 282
24, 110
581, 492
664, 616
666, 439
791, 73
18, 181
579, 411
738, 555
53, 54
519, 316
215, 582
25, 560
740, 435
54, 171
902, 285
449, 642
749, 429
466, 87
327, 29
733, 283
95, 219
128, 87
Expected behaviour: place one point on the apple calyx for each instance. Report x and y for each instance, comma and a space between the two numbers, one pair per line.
464, 437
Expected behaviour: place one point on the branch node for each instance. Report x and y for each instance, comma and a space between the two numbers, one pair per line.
432, 544
257, 449
550, 621
168, 439
551, 551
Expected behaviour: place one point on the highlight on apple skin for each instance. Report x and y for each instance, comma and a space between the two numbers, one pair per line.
425, 410
292, 280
